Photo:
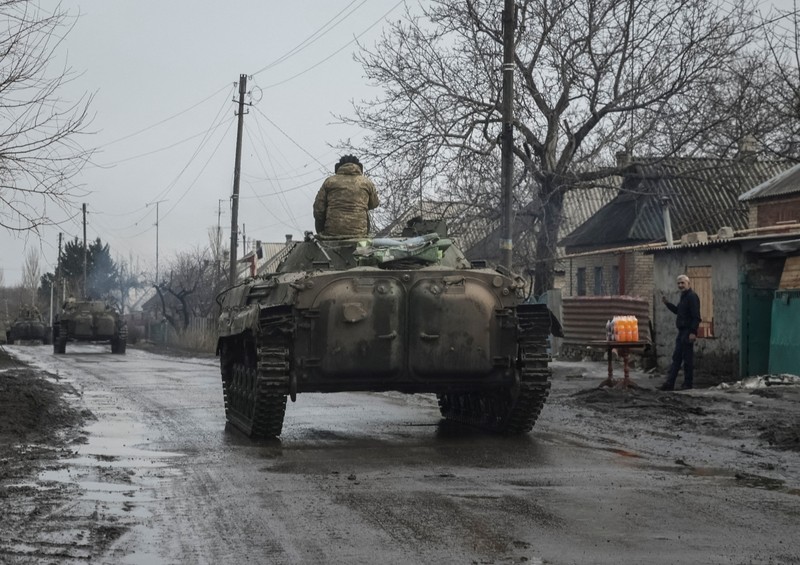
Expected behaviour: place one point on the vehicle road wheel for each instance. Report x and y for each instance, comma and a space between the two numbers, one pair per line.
59, 340
119, 344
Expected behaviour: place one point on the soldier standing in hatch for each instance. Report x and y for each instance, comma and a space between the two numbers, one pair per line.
342, 204
687, 322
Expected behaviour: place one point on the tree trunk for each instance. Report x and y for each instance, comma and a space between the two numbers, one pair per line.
547, 238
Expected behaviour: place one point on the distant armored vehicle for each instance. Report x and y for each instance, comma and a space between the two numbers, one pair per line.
409, 314
28, 326
89, 320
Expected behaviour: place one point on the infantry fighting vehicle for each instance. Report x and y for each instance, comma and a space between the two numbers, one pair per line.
28, 326
409, 314
89, 320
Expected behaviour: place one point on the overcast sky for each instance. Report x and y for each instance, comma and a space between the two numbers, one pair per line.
163, 75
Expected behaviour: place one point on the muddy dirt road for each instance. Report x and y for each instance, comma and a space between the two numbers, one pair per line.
137, 467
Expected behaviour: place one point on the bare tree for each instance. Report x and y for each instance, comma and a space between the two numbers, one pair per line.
593, 78
39, 153
783, 39
219, 253
30, 273
188, 288
125, 281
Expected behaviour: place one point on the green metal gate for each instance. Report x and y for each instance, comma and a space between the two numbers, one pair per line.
784, 343
756, 322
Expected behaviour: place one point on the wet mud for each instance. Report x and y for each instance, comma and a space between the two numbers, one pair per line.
767, 415
169, 483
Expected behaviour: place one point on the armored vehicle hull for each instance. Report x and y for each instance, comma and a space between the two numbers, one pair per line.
28, 328
344, 316
89, 321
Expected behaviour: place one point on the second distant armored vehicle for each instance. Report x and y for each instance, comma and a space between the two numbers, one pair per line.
90, 321
410, 314
28, 326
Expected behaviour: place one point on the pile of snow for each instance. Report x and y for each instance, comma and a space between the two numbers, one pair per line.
762, 381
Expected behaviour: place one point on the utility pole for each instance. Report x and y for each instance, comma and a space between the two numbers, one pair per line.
218, 242
237, 169
59, 277
507, 149
50, 319
85, 251
157, 202
56, 280
219, 224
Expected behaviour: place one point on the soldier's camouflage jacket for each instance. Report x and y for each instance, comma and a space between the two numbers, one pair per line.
342, 203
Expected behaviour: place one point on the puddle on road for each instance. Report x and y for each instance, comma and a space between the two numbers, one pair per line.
747, 480
114, 480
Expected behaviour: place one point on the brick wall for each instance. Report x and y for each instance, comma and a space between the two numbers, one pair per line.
605, 261
635, 270
641, 273
768, 213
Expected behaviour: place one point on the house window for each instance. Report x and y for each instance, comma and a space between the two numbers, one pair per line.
599, 287
614, 282
581, 281
701, 284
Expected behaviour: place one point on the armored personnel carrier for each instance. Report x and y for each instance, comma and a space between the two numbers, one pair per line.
28, 326
408, 314
89, 320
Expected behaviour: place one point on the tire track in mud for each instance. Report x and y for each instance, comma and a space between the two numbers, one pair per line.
45, 515
76, 499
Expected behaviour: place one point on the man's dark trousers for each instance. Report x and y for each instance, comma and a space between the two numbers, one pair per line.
683, 354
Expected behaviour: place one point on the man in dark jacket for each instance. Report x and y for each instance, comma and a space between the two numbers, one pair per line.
341, 208
687, 322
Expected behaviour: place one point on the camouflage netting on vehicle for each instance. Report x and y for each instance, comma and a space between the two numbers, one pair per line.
427, 248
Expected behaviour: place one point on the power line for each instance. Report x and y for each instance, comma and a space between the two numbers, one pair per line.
165, 120
202, 144
222, 138
315, 182
281, 199
311, 39
342, 48
215, 125
154, 151
303, 149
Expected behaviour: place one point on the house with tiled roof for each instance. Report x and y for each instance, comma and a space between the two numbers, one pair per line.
579, 205
675, 216
659, 200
